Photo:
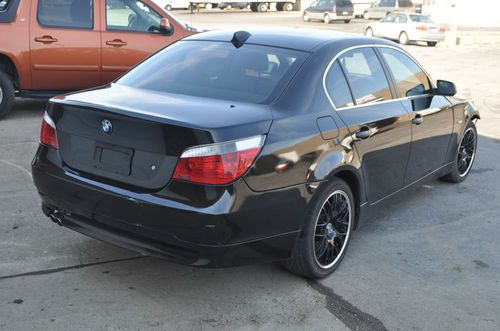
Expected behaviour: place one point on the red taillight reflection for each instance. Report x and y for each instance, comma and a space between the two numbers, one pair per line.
48, 133
334, 9
215, 169
422, 28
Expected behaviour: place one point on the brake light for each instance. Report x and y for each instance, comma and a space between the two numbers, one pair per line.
441, 29
218, 164
421, 27
48, 132
334, 9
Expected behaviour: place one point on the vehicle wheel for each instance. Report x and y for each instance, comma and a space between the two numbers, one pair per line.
326, 234
168, 7
366, 16
288, 6
326, 18
7, 95
369, 32
403, 38
306, 18
229, 7
262, 7
208, 6
465, 155
253, 7
431, 43
279, 6
347, 21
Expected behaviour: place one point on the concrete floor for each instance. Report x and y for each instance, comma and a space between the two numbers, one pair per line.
426, 260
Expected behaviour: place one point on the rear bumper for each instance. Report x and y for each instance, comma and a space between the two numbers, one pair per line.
427, 36
237, 227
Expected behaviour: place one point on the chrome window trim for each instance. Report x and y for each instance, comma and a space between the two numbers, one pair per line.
433, 84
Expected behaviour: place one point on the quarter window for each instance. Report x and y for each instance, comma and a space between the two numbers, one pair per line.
131, 15
66, 13
337, 87
366, 76
410, 79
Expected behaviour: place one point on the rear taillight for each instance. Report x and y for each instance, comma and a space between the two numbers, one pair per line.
218, 164
441, 29
421, 27
48, 132
334, 9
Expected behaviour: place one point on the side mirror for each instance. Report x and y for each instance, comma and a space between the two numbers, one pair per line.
165, 27
446, 88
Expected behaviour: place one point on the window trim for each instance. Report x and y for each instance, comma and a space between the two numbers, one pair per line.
65, 27
141, 32
390, 81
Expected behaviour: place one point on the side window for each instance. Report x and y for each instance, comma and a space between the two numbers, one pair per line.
400, 19
366, 76
389, 18
77, 14
337, 87
410, 79
131, 15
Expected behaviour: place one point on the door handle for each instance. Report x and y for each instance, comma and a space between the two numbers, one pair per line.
418, 119
364, 133
116, 43
45, 39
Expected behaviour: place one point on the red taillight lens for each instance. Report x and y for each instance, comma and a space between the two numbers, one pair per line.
334, 9
218, 164
441, 29
421, 27
48, 133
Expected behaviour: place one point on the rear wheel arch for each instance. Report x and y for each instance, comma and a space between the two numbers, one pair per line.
9, 68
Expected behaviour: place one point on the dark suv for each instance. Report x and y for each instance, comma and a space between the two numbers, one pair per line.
329, 10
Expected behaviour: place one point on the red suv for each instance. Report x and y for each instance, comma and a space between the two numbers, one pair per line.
48, 47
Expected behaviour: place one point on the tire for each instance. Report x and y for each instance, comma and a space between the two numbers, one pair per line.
7, 95
366, 16
307, 259
347, 21
168, 7
431, 43
229, 7
458, 174
369, 32
288, 6
403, 38
280, 6
253, 7
306, 18
208, 6
262, 7
326, 19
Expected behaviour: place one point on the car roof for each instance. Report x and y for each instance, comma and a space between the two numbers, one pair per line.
299, 39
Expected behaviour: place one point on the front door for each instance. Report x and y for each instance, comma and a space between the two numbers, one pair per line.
65, 45
132, 32
380, 126
432, 115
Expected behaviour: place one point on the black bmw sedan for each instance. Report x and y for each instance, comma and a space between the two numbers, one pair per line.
230, 148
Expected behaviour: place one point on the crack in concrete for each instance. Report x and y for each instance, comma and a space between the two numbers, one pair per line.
348, 314
79, 266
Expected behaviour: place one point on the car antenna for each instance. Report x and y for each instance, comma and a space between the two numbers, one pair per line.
239, 38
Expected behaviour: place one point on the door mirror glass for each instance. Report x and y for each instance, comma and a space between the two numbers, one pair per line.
446, 88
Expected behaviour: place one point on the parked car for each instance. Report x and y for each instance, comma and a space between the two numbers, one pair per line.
329, 10
173, 4
50, 46
360, 6
380, 8
407, 28
231, 5
231, 148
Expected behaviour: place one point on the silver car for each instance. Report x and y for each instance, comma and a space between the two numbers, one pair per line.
380, 8
407, 27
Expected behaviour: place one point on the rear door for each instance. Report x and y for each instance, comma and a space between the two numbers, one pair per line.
131, 33
398, 26
65, 45
385, 26
432, 115
380, 126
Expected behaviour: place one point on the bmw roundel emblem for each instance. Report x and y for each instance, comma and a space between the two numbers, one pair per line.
106, 126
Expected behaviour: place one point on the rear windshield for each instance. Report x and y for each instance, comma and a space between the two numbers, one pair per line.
421, 18
343, 3
216, 70
405, 3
